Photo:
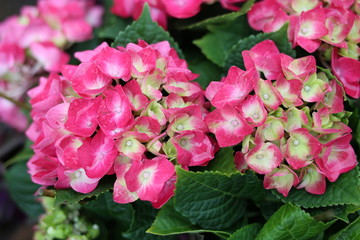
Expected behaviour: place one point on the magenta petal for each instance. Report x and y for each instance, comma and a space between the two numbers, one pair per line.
337, 157
114, 63
82, 116
43, 169
103, 155
166, 193
313, 180
228, 126
147, 178
137, 99
89, 81
264, 158
282, 179
266, 58
121, 193
194, 148
89, 55
347, 70
253, 110
233, 89
183, 8
80, 182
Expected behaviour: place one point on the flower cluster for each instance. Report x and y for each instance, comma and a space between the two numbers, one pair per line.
33, 42
133, 112
334, 24
291, 124
161, 9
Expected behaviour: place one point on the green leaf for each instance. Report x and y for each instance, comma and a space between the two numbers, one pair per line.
25, 154
223, 162
144, 28
22, 189
352, 231
223, 19
223, 37
112, 218
105, 207
169, 221
112, 24
214, 200
290, 223
69, 196
144, 216
345, 190
199, 64
248, 232
330, 213
279, 37
352, 208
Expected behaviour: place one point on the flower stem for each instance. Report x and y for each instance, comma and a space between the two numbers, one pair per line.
17, 103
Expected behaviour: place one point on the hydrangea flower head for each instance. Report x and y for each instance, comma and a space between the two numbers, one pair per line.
289, 124
132, 111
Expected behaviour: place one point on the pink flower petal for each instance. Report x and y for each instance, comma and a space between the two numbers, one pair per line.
148, 177
337, 157
229, 127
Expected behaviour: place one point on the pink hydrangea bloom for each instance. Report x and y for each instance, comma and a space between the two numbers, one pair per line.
42, 32
286, 123
317, 25
160, 10
113, 111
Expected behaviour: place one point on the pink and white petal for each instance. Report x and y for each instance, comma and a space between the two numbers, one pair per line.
137, 99
80, 182
130, 147
89, 55
183, 8
289, 91
310, 45
347, 71
104, 154
337, 157
282, 179
266, 58
228, 126
166, 193
147, 178
262, 13
280, 18
313, 180
89, 81
264, 158
82, 116
240, 163
114, 63
314, 89
121, 193
212, 89
269, 95
301, 148
194, 148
